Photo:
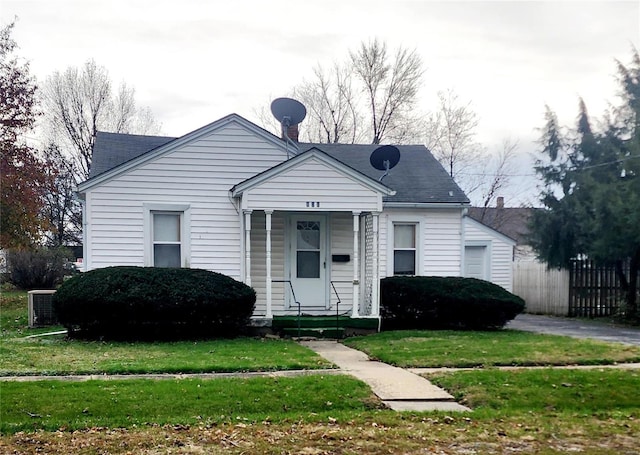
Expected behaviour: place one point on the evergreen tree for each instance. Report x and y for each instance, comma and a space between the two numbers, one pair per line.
591, 189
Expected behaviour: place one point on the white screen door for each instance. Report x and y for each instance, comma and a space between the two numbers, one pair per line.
308, 261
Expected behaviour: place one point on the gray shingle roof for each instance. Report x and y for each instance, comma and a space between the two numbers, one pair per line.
113, 149
510, 221
418, 177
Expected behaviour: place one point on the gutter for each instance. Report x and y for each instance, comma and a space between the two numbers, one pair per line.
419, 205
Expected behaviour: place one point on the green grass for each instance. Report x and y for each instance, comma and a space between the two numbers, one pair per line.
493, 393
542, 411
51, 405
54, 355
472, 349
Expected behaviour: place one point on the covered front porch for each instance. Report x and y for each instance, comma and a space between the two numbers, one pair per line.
311, 239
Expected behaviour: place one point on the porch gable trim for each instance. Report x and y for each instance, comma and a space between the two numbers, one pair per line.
321, 156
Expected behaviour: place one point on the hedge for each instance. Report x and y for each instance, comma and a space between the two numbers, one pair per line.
159, 303
445, 303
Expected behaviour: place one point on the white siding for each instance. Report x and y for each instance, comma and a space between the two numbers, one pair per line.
499, 248
310, 186
199, 175
342, 272
439, 240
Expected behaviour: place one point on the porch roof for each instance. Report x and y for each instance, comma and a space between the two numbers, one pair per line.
311, 181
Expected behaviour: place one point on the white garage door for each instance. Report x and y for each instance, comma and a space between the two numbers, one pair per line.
475, 262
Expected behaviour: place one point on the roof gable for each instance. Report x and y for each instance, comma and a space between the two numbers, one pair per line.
118, 153
489, 230
300, 160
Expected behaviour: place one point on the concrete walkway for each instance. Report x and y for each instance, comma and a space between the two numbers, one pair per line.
399, 389
577, 328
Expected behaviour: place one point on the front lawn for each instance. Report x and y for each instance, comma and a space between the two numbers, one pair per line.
51, 405
54, 355
474, 349
527, 411
57, 356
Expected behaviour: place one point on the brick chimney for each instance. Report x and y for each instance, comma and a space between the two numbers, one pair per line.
293, 132
500, 202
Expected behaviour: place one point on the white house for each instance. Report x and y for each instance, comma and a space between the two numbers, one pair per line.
311, 220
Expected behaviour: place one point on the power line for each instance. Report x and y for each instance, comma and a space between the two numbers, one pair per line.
592, 166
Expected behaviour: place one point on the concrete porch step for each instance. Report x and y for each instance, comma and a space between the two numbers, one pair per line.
315, 332
306, 321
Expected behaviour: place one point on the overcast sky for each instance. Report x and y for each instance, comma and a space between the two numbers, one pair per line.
194, 61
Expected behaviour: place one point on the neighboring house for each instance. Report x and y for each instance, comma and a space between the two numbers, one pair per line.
314, 221
512, 222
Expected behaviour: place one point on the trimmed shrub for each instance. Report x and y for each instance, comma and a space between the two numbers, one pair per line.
38, 269
153, 303
423, 302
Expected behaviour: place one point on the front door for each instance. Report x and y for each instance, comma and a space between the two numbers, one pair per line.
308, 261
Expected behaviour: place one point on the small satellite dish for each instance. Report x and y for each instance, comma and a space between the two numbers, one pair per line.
385, 158
288, 111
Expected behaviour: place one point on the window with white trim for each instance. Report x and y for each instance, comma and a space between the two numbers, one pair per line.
404, 249
166, 238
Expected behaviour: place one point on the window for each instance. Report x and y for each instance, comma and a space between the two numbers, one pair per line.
308, 249
404, 249
167, 239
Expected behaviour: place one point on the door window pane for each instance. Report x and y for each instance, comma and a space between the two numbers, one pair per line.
308, 264
308, 235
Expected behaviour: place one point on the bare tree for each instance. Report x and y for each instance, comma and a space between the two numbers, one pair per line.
498, 177
80, 102
77, 104
332, 113
391, 88
371, 94
451, 135
62, 209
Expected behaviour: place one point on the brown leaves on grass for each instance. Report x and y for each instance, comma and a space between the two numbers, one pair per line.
399, 435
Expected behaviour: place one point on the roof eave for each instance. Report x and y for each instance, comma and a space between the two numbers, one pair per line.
424, 205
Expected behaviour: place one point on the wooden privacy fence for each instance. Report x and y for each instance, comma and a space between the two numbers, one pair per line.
545, 291
594, 290
585, 290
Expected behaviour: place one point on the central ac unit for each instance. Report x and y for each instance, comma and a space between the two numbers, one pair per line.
41, 312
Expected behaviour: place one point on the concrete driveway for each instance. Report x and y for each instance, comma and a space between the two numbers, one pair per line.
577, 328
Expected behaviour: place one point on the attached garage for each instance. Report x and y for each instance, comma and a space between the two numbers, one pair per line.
488, 254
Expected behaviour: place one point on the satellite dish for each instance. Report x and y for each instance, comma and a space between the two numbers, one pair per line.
288, 111
385, 157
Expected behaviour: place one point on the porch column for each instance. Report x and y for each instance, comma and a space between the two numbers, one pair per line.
375, 284
356, 265
247, 247
268, 213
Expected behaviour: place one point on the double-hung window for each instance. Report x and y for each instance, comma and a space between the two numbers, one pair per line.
166, 237
404, 249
